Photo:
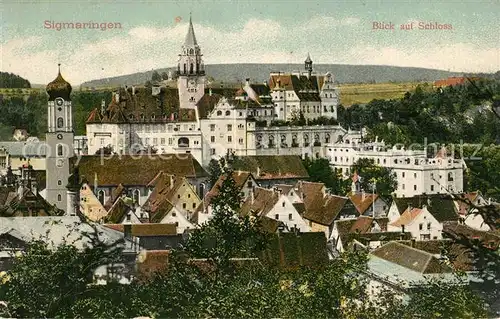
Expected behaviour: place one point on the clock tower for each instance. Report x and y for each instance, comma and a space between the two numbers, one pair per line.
190, 71
59, 139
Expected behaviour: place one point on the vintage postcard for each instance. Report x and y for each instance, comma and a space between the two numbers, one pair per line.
250, 159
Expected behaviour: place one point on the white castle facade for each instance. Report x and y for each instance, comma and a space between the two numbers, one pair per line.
209, 122
416, 173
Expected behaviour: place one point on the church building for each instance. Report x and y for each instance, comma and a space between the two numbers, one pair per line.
59, 141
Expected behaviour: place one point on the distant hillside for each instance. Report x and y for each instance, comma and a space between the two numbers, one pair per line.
344, 73
11, 81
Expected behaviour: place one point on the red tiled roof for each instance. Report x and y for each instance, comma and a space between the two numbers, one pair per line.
363, 201
239, 177
407, 217
262, 202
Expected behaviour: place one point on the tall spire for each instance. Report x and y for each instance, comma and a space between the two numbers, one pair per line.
190, 37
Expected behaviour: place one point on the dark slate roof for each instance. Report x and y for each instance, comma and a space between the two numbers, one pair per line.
141, 106
411, 258
306, 88
271, 166
136, 169
323, 209
441, 206
207, 103
290, 251
11, 205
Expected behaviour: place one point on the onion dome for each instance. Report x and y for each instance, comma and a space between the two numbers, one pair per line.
59, 87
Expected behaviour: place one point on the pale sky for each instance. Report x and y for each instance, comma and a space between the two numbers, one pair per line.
333, 31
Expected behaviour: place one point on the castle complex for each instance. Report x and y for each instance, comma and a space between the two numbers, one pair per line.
208, 122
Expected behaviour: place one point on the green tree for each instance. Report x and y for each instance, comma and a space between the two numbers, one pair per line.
215, 169
321, 171
226, 234
384, 179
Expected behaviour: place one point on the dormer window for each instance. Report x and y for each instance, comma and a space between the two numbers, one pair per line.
153, 116
142, 116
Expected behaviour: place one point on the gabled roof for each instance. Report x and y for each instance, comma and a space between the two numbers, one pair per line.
323, 209
159, 202
460, 256
411, 258
441, 206
269, 167
363, 201
488, 238
343, 228
363, 225
57, 230
407, 217
136, 169
263, 201
118, 211
11, 203
239, 177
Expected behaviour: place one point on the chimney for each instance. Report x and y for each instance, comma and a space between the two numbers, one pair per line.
210, 92
265, 83
172, 177
413, 242
258, 171
117, 97
247, 82
363, 196
133, 90
402, 229
252, 197
489, 201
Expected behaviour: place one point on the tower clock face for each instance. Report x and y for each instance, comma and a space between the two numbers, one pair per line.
59, 102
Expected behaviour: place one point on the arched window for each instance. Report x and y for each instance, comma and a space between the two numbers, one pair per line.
316, 140
191, 68
59, 197
60, 150
60, 122
219, 113
191, 51
100, 196
228, 112
294, 141
185, 68
327, 138
183, 142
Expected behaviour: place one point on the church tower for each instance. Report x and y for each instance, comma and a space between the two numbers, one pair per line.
308, 65
190, 71
59, 139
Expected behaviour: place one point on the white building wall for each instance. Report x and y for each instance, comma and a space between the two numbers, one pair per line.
285, 212
423, 225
